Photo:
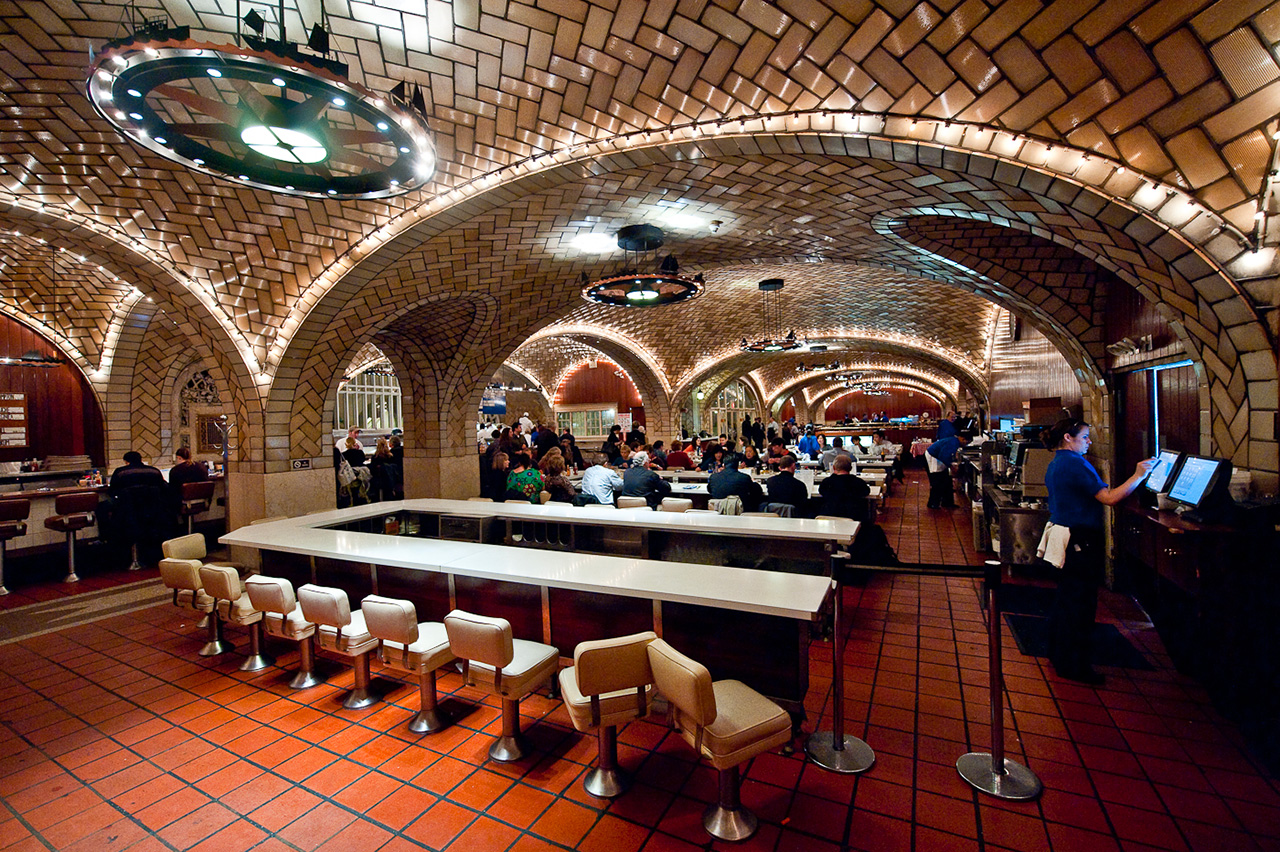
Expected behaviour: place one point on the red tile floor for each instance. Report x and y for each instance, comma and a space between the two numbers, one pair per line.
115, 735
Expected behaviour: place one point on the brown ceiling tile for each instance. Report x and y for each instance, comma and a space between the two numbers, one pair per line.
1183, 60
1142, 152
1184, 112
929, 68
1222, 194
1003, 21
958, 24
1249, 157
1244, 115
1135, 106
1244, 63
1196, 157
1084, 106
1034, 106
918, 24
1020, 64
1057, 17
1126, 61
974, 66
1106, 18
1224, 16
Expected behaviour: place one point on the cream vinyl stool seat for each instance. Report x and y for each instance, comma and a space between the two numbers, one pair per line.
282, 618
73, 512
609, 684
233, 606
675, 504
413, 647
632, 503
726, 722
14, 512
180, 571
342, 632
508, 668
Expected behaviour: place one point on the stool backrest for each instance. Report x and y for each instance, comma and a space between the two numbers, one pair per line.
15, 509
479, 638
75, 503
270, 594
609, 665
390, 619
221, 581
324, 605
632, 503
684, 682
197, 490
185, 547
181, 574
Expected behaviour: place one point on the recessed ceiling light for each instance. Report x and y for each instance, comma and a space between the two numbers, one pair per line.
278, 81
214, 72
134, 93
339, 102
382, 125
596, 243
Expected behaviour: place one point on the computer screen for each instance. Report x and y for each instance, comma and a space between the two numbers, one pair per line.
865, 441
1158, 479
1034, 467
1018, 451
1194, 479
1006, 424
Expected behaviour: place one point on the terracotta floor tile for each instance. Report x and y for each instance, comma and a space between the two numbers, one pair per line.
439, 826
484, 833
173, 807
358, 836
402, 807
316, 826
197, 826
283, 809
565, 823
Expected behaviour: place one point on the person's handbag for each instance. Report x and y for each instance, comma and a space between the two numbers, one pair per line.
346, 475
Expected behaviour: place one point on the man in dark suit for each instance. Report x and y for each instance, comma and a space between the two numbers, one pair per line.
785, 488
639, 481
731, 481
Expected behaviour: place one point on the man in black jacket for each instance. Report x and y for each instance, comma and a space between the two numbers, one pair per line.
639, 481
844, 494
730, 481
785, 488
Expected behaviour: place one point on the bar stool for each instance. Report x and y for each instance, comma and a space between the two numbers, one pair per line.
609, 684
180, 571
342, 632
13, 523
675, 504
632, 503
73, 511
196, 497
727, 722
413, 647
508, 668
232, 604
282, 617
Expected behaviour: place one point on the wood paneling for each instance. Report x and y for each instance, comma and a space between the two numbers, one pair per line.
899, 403
63, 418
787, 411
1178, 397
1027, 368
606, 384
1133, 438
1129, 315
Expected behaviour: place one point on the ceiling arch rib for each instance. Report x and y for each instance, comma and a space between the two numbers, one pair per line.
816, 385
828, 396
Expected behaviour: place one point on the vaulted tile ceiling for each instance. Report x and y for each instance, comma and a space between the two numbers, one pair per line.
1182, 92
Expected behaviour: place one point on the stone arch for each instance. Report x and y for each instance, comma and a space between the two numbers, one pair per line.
1172, 245
829, 396
897, 377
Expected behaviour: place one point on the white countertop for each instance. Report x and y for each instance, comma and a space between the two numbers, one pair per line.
842, 532
766, 592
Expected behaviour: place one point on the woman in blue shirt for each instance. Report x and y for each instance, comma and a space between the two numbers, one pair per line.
1077, 496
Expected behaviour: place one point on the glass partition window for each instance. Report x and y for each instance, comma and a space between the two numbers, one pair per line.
732, 404
586, 421
371, 400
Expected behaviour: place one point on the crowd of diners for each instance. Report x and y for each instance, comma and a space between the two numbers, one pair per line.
522, 460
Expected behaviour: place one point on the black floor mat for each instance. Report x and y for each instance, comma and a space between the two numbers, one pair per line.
1026, 600
1110, 647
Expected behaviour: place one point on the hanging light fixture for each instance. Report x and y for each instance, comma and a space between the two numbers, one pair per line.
261, 112
633, 287
771, 307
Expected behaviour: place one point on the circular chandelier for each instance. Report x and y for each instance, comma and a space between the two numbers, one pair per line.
631, 287
264, 114
773, 339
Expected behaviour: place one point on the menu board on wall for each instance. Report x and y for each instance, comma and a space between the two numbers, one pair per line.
13, 420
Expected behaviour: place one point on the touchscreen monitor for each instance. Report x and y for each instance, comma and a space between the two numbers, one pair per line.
1196, 478
1161, 475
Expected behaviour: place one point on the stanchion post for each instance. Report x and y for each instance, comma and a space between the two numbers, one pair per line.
834, 749
993, 773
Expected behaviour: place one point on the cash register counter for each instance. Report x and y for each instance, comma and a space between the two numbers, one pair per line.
752, 625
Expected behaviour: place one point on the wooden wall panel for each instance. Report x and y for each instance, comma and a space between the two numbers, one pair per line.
1028, 368
787, 411
1133, 438
606, 383
1129, 315
63, 417
1178, 396
899, 403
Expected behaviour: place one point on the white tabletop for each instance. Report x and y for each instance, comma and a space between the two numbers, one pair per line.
766, 592
797, 528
